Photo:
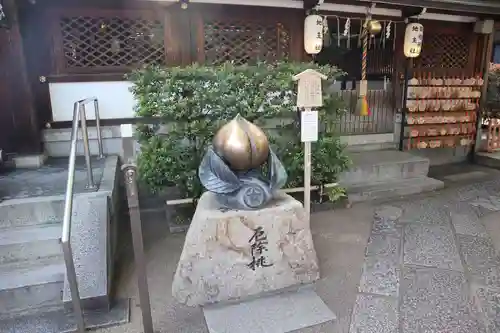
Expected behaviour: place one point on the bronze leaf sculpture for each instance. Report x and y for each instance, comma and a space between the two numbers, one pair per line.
232, 167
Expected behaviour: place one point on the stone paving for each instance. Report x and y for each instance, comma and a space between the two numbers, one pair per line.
425, 264
431, 266
48, 180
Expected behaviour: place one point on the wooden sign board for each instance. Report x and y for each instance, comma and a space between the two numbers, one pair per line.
309, 94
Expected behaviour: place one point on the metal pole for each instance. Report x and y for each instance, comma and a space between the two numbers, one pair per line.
98, 128
86, 148
66, 227
73, 286
130, 173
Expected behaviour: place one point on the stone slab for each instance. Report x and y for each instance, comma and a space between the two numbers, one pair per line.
90, 234
381, 267
466, 176
280, 313
481, 260
388, 212
33, 243
390, 188
466, 220
437, 301
375, 166
490, 203
375, 314
386, 226
93, 237
49, 180
216, 261
32, 211
60, 321
380, 276
428, 211
431, 246
471, 192
489, 305
384, 245
492, 225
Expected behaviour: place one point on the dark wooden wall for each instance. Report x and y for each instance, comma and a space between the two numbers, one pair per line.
19, 127
63, 41
201, 33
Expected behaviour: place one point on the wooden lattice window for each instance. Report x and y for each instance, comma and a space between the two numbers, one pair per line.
244, 42
98, 42
444, 51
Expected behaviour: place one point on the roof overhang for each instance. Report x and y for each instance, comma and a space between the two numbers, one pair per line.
354, 7
485, 7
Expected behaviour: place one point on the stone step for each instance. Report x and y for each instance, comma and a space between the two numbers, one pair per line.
30, 243
30, 285
384, 165
392, 189
357, 148
31, 211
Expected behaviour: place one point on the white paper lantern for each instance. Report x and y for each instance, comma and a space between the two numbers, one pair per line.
313, 34
414, 36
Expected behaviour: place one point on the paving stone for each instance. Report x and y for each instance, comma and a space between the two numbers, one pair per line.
489, 305
374, 314
272, 314
471, 192
492, 187
432, 246
466, 176
481, 259
383, 245
388, 212
466, 221
386, 226
436, 301
380, 276
488, 203
428, 211
492, 225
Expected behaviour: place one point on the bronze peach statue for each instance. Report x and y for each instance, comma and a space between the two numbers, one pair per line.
233, 169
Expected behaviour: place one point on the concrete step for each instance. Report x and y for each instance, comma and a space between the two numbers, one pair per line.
392, 189
384, 165
31, 211
357, 148
30, 243
30, 285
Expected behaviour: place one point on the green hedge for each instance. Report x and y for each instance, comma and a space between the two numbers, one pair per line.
193, 102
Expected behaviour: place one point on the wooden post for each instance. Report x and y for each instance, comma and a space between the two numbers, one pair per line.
309, 95
487, 53
307, 178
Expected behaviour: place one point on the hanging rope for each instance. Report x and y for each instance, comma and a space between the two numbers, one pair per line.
364, 56
362, 108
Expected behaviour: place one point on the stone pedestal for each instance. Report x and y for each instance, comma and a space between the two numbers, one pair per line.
230, 255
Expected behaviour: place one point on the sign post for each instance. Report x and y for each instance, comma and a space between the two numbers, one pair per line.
309, 96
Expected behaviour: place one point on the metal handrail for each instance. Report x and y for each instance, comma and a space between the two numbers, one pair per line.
78, 116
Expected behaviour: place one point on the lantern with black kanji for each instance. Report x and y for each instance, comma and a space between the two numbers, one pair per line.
414, 36
313, 34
